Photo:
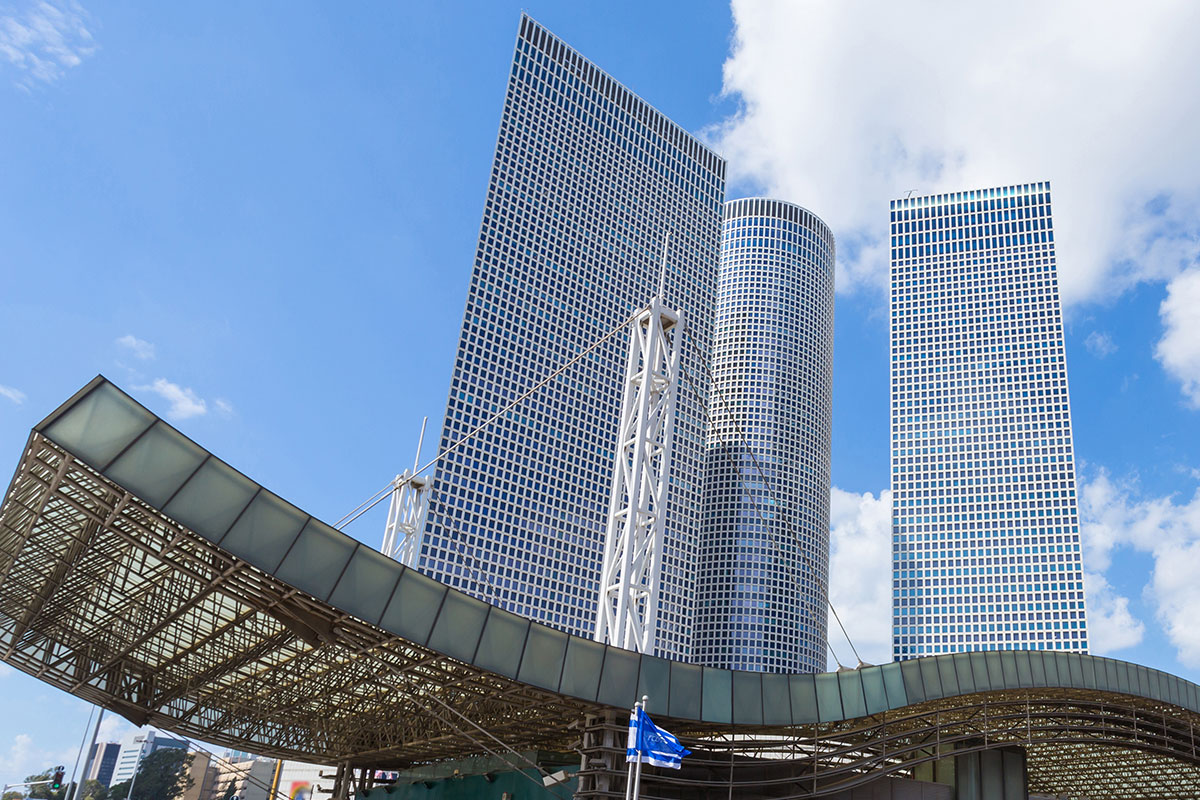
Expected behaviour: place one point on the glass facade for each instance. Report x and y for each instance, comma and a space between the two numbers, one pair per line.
587, 182
762, 587
985, 527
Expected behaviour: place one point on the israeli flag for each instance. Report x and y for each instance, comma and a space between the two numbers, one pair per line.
654, 745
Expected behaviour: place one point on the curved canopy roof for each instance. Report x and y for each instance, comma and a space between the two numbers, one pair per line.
143, 573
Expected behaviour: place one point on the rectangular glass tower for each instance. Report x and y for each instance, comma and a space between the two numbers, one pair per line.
587, 182
985, 529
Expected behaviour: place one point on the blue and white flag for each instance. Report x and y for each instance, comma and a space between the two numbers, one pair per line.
657, 747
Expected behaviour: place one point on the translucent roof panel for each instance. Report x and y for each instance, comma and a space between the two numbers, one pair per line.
109, 431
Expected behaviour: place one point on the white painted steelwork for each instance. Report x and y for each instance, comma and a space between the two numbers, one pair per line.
627, 614
407, 510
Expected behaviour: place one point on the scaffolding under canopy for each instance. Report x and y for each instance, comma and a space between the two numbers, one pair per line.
142, 573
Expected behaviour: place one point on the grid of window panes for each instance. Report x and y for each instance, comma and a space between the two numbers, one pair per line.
762, 587
985, 527
587, 182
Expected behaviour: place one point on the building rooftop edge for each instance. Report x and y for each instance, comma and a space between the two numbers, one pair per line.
978, 193
526, 17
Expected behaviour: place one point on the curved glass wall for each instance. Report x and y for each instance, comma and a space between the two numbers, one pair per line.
764, 545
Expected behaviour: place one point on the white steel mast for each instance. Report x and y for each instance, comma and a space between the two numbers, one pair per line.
627, 614
407, 510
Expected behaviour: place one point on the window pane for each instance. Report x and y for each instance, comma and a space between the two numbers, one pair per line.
211, 500
581, 673
829, 698
872, 680
853, 702
265, 531
100, 425
542, 663
157, 464
777, 702
459, 624
414, 606
685, 691
618, 678
654, 681
366, 585
502, 642
804, 699
717, 692
317, 559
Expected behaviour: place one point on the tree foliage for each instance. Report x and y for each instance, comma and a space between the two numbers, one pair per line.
43, 791
93, 790
162, 775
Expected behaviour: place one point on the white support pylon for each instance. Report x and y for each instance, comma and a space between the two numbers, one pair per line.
627, 614
407, 510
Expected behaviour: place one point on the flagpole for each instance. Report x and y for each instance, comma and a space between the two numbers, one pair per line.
636, 742
637, 776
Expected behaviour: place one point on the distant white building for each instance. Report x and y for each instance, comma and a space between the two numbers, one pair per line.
296, 780
128, 758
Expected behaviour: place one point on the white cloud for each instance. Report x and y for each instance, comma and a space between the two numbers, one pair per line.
24, 758
16, 395
1114, 516
1101, 345
1111, 625
1179, 349
844, 106
185, 403
140, 348
113, 728
224, 407
860, 573
45, 40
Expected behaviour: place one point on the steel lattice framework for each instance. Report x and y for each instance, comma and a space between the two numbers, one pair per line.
235, 627
627, 607
107, 599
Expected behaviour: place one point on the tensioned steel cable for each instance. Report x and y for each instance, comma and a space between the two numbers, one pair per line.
413, 695
378, 496
245, 772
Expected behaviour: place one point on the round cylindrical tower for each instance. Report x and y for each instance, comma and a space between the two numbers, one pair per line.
762, 582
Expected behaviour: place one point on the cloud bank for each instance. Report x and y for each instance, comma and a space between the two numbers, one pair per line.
844, 106
860, 574
847, 105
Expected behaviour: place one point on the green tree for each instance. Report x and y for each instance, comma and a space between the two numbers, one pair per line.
43, 791
118, 791
162, 775
93, 790
13, 794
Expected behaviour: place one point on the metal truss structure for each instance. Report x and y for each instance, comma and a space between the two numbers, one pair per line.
107, 599
627, 612
1099, 747
253, 626
408, 508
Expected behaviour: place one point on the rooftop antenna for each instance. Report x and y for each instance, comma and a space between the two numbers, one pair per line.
407, 510
909, 193
627, 612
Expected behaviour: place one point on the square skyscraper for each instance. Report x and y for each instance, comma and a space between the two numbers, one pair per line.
985, 526
587, 182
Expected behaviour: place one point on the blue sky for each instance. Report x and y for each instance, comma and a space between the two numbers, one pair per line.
259, 219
